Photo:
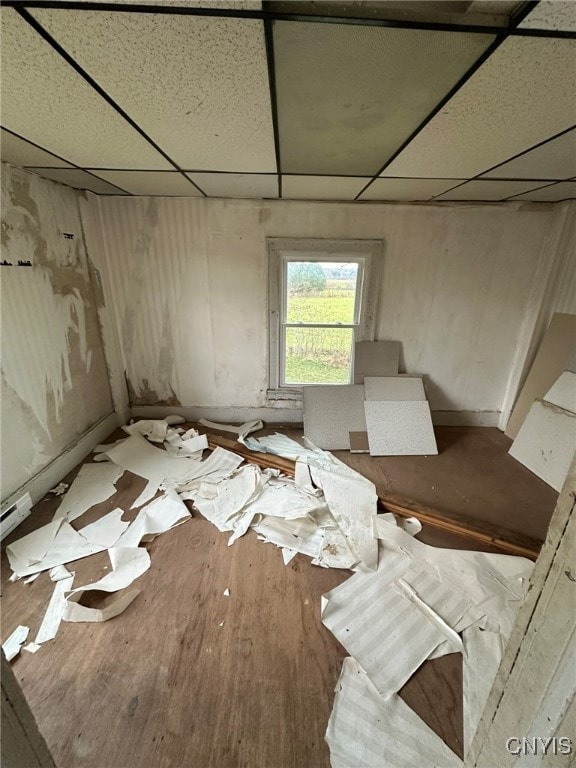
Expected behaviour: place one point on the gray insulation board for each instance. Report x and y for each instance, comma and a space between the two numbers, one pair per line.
563, 392
393, 388
331, 413
400, 428
545, 443
375, 358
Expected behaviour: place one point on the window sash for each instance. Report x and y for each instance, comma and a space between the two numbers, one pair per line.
299, 258
310, 249
282, 352
326, 257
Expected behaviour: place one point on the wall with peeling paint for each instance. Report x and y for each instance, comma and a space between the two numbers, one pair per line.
188, 280
54, 380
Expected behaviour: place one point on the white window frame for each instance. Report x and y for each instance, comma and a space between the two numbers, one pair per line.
366, 253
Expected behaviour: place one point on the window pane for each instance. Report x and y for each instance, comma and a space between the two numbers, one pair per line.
321, 292
318, 355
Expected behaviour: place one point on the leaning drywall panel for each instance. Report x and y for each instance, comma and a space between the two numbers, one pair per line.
455, 288
546, 441
331, 413
400, 428
375, 358
556, 354
394, 388
563, 392
54, 380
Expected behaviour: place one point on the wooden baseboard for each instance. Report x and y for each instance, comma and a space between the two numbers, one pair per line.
477, 531
39, 485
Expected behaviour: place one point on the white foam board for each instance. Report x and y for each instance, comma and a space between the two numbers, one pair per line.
563, 392
393, 388
375, 358
545, 443
331, 413
400, 428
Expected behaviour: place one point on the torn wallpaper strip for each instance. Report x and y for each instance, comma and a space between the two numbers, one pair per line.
157, 517
369, 731
92, 485
14, 642
55, 610
352, 502
128, 563
241, 431
67, 545
153, 429
106, 531
154, 464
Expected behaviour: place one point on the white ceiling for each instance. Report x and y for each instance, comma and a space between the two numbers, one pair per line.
230, 99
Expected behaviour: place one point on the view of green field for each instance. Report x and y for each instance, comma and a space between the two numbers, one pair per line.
319, 355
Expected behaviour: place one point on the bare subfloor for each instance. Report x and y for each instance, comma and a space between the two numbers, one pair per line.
187, 677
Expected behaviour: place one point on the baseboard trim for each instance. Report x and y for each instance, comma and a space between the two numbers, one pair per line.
226, 415
289, 415
39, 485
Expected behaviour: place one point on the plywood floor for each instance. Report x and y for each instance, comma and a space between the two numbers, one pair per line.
165, 685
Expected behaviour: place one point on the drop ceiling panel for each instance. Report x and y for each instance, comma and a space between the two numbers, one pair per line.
565, 190
44, 100
407, 189
16, 151
75, 177
237, 184
321, 187
523, 94
554, 160
349, 95
169, 183
488, 190
552, 14
198, 86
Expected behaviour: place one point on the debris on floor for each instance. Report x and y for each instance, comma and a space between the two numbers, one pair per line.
11, 646
59, 489
406, 602
422, 602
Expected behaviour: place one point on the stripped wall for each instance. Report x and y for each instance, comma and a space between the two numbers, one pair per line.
188, 281
54, 380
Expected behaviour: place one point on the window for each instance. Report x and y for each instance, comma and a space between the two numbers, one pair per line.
323, 296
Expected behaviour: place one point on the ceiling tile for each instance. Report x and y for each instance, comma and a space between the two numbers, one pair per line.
19, 152
60, 111
159, 183
522, 95
563, 191
554, 160
322, 187
407, 189
488, 190
198, 86
237, 184
77, 178
349, 95
552, 14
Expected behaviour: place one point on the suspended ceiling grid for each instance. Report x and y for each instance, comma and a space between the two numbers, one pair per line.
446, 101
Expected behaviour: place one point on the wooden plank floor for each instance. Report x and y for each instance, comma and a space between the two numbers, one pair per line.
164, 685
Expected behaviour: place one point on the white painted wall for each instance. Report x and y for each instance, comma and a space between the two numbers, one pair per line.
54, 382
188, 281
